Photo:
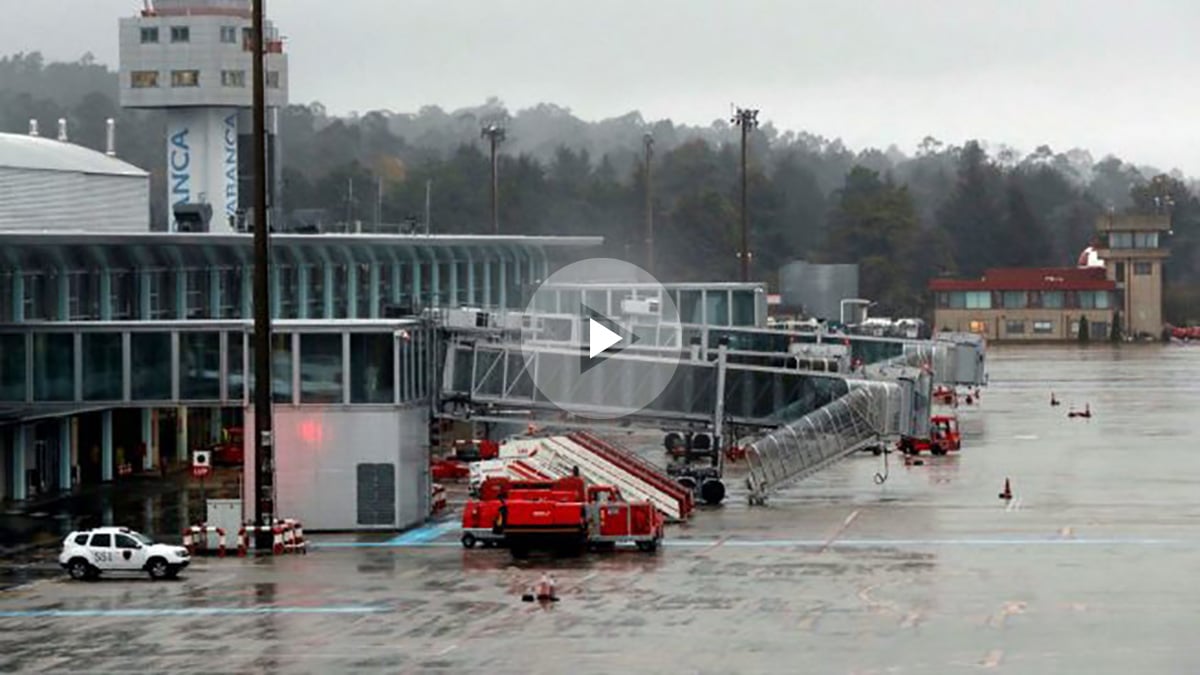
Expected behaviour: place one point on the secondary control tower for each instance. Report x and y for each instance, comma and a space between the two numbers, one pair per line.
192, 59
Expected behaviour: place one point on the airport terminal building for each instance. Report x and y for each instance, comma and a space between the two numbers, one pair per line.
122, 348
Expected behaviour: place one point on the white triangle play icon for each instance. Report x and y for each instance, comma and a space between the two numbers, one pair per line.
600, 338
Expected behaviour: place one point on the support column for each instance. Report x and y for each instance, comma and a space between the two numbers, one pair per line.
503, 277
471, 283
327, 270
276, 300
435, 283
106, 446
214, 424
64, 296
373, 281
181, 294
145, 278
352, 291
105, 295
149, 439
64, 453
453, 298
487, 284
20, 450
214, 293
302, 281
397, 283
18, 298
247, 293
182, 450
416, 286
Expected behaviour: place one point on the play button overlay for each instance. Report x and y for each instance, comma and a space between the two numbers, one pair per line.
600, 339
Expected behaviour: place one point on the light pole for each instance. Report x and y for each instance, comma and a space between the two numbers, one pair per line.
264, 448
648, 142
747, 119
494, 133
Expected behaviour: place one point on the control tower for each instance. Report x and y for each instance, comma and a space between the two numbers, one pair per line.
192, 59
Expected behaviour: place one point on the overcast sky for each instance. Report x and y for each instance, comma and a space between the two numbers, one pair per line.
1111, 76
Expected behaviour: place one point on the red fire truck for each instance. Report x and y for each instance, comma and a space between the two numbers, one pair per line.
563, 515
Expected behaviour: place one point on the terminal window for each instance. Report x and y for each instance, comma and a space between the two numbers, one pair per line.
185, 78
181, 34
1014, 327
229, 34
1043, 327
149, 34
233, 78
143, 79
1141, 269
273, 79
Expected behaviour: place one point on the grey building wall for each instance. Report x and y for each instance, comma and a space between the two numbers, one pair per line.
34, 199
816, 289
205, 52
320, 455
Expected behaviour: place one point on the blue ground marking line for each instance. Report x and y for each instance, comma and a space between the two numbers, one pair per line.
186, 611
425, 541
425, 533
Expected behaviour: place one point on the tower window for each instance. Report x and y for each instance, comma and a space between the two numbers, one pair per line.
150, 34
181, 34
229, 35
233, 78
143, 79
272, 79
185, 78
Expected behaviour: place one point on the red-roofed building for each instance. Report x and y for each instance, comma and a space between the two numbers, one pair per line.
1027, 303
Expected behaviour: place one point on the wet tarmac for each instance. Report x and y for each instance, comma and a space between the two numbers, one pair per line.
1089, 568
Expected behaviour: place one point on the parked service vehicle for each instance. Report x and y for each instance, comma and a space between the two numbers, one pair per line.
89, 553
944, 437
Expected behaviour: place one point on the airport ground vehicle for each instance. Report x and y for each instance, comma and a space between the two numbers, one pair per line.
562, 515
87, 554
231, 449
944, 437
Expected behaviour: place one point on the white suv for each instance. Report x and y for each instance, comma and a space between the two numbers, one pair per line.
86, 554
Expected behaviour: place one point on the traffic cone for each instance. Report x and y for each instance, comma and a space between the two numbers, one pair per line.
1007, 494
545, 589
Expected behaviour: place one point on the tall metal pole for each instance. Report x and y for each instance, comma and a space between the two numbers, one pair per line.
264, 446
495, 135
747, 119
648, 141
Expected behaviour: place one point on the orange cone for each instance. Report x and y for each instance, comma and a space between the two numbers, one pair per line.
1007, 494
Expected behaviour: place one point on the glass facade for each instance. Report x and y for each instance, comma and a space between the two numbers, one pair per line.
321, 371
150, 366
200, 366
195, 289
104, 369
372, 364
54, 366
12, 367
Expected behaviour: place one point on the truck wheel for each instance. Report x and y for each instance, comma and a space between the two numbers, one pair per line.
468, 540
519, 551
158, 568
80, 570
937, 450
648, 546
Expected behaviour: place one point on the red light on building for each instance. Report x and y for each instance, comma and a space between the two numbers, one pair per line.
311, 431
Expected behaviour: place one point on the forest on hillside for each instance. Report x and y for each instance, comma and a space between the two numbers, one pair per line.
940, 208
